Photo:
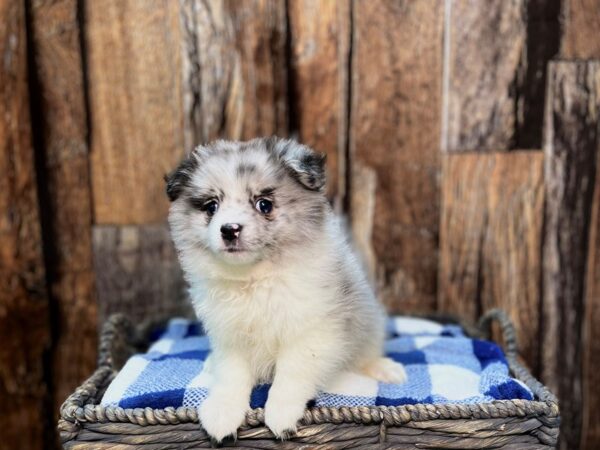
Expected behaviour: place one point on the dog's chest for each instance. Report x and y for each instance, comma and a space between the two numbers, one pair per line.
266, 313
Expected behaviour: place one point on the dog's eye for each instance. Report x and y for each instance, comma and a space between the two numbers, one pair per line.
210, 207
264, 206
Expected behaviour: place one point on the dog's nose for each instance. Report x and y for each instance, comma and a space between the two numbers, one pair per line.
231, 231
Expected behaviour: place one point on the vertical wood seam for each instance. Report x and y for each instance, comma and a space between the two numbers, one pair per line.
80, 16
348, 151
445, 76
292, 105
45, 231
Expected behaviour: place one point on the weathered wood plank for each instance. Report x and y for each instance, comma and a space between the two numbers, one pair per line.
67, 215
136, 115
490, 239
590, 434
320, 41
496, 56
24, 324
394, 137
571, 144
137, 272
485, 46
542, 45
202, 70
234, 69
581, 21
258, 88
210, 66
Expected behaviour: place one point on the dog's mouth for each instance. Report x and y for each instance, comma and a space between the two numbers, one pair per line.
237, 255
234, 247
234, 250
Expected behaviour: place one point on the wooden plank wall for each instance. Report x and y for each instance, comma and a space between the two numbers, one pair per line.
486, 44
318, 80
571, 144
134, 106
590, 420
491, 230
395, 164
435, 149
59, 114
581, 19
24, 324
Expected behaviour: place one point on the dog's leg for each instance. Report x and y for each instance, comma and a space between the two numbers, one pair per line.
300, 369
224, 410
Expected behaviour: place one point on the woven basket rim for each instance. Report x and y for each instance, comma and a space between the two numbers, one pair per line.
83, 405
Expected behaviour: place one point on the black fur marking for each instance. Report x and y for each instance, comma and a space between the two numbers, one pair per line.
316, 213
199, 197
271, 143
245, 169
200, 202
267, 191
347, 287
178, 180
300, 162
312, 166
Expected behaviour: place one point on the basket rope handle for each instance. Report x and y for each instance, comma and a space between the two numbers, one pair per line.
120, 338
116, 326
511, 350
509, 333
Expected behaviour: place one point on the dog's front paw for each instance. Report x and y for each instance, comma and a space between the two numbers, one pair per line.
282, 416
221, 416
386, 370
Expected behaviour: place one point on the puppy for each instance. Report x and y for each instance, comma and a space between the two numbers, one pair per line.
273, 279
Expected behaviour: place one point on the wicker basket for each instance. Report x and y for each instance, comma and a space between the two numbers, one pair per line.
499, 424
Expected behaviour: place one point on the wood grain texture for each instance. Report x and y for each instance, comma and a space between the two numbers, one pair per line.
490, 239
571, 144
590, 434
210, 69
486, 48
136, 115
320, 45
66, 197
201, 70
24, 324
137, 272
542, 45
259, 85
581, 22
395, 132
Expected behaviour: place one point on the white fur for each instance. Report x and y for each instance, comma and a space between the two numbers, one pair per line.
278, 318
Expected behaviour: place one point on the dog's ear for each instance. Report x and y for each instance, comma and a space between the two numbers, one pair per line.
179, 179
302, 163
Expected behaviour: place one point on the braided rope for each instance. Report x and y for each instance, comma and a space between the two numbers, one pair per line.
82, 406
511, 351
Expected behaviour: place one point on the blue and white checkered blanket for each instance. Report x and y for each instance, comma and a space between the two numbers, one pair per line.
442, 364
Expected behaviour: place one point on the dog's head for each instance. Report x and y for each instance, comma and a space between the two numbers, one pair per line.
242, 202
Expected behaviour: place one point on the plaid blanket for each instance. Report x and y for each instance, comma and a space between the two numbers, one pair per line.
443, 366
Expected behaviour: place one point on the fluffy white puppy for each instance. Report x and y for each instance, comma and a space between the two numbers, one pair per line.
273, 279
